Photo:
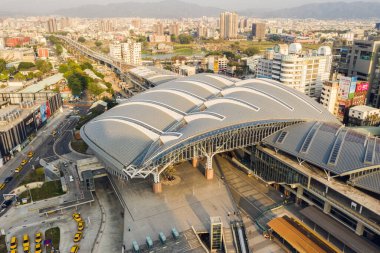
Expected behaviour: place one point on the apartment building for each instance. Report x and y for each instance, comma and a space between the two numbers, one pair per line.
129, 52
228, 25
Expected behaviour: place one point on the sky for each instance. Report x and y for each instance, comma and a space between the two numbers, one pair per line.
21, 6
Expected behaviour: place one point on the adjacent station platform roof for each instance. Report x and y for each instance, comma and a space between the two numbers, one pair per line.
329, 146
173, 112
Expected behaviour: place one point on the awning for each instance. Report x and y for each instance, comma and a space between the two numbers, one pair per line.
339, 231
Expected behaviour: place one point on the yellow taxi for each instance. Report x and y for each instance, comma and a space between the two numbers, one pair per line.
38, 248
30, 154
74, 249
38, 238
78, 237
23, 162
80, 225
18, 169
76, 217
13, 250
25, 242
2, 186
14, 243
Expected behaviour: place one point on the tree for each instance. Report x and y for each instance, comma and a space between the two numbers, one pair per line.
173, 38
86, 65
43, 66
12, 70
81, 39
19, 77
251, 51
58, 49
185, 39
4, 75
98, 43
94, 89
3, 65
38, 75
25, 65
63, 68
30, 76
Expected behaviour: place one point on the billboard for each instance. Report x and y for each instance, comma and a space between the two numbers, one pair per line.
362, 86
43, 112
344, 86
351, 93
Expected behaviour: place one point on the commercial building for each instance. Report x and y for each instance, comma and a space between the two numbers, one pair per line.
159, 38
43, 53
18, 54
217, 63
52, 25
303, 72
362, 115
106, 25
377, 26
17, 41
228, 25
329, 95
258, 31
174, 29
362, 60
158, 29
129, 52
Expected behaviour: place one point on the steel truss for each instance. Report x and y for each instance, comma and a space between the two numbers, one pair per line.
206, 145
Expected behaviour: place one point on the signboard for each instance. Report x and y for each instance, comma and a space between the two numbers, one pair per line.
344, 86
362, 86
351, 94
216, 66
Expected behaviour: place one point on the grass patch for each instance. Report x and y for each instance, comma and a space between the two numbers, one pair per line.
54, 235
48, 190
79, 146
37, 175
3, 246
184, 51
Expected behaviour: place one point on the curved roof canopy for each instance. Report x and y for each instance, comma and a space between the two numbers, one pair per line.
173, 112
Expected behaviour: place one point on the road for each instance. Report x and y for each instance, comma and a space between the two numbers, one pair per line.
50, 149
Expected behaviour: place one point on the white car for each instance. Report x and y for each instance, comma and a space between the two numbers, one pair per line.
71, 179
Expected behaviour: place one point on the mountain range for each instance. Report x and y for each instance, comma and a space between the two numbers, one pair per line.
181, 9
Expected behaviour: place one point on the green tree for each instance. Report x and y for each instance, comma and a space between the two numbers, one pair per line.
185, 39
251, 51
30, 76
98, 43
38, 75
43, 66
19, 77
4, 75
58, 49
173, 38
63, 68
12, 70
3, 65
94, 89
25, 65
86, 65
81, 39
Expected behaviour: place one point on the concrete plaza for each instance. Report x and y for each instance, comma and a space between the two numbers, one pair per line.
188, 203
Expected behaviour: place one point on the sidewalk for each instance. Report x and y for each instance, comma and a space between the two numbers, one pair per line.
35, 143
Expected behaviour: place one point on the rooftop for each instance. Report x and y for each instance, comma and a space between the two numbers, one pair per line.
363, 108
43, 84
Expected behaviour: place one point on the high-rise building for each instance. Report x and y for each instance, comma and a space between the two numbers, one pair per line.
136, 23
228, 24
258, 31
115, 51
174, 29
106, 26
377, 26
52, 25
158, 28
364, 62
129, 52
329, 95
305, 73
43, 53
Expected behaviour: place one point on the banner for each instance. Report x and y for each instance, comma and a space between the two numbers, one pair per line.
362, 86
344, 86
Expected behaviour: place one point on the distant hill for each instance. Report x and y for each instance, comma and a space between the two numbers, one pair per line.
164, 9
334, 10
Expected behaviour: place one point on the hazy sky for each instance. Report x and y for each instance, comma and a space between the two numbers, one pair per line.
51, 5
